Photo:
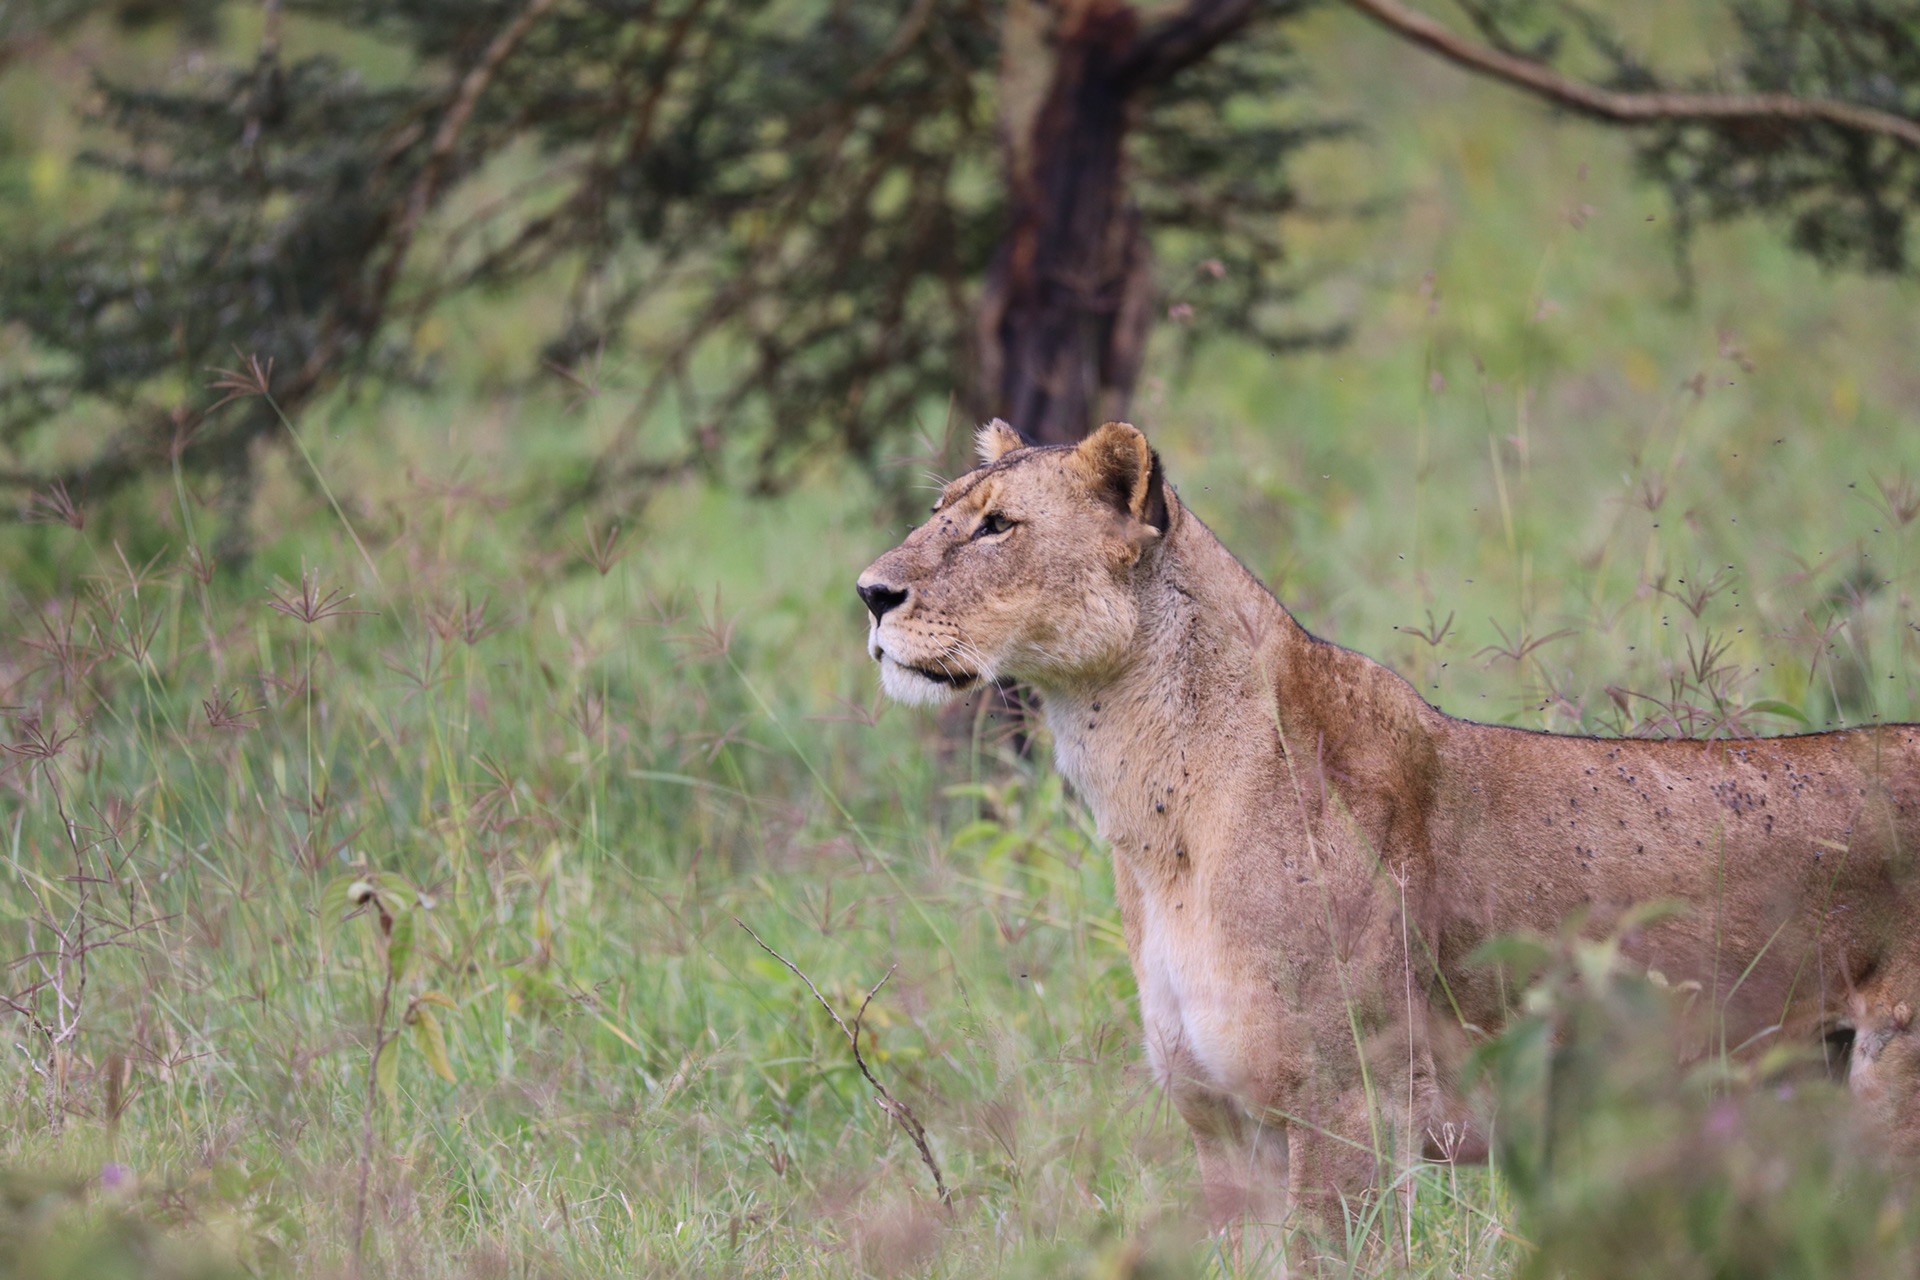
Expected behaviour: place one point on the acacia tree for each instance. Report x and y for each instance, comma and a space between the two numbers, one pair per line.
840, 214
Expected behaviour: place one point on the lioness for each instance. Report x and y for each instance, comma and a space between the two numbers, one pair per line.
1306, 851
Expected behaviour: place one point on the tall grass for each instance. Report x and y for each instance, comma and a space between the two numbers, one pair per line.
568, 760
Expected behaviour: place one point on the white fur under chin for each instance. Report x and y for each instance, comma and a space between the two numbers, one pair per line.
903, 684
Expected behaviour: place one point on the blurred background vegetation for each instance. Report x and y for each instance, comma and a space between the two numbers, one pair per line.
389, 755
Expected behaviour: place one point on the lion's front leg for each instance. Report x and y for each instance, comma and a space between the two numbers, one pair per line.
1243, 1170
1243, 1162
1333, 1160
1350, 1144
1244, 1178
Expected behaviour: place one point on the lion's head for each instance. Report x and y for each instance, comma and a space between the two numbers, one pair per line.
1026, 569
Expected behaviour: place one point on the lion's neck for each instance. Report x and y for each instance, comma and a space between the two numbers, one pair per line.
1182, 750
1211, 648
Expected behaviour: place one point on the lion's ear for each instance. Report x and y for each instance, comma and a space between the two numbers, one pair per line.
1125, 473
996, 440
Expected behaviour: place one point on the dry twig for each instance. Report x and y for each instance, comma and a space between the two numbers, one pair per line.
901, 1113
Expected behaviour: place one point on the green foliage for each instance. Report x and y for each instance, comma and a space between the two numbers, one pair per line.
1624, 1161
1846, 200
111, 1228
272, 206
256, 202
1216, 156
788, 211
592, 753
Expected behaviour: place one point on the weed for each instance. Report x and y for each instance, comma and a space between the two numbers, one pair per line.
592, 754
1625, 1160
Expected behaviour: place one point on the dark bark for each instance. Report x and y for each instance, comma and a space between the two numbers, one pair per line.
1066, 312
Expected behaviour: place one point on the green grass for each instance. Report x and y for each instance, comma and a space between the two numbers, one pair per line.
595, 790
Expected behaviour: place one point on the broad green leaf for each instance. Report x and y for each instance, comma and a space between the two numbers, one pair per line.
387, 1074
1644, 915
1782, 1058
1596, 961
1524, 954
427, 1034
400, 945
440, 998
973, 833
396, 891
334, 902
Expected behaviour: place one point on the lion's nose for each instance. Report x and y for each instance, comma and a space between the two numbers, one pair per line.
880, 597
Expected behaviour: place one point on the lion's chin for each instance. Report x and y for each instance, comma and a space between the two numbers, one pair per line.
922, 687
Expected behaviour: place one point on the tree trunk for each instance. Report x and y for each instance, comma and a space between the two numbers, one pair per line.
1066, 311
1066, 307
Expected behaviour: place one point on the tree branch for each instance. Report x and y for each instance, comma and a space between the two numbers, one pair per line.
1630, 108
427, 186
1183, 39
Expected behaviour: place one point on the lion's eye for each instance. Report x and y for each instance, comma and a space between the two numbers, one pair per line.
992, 525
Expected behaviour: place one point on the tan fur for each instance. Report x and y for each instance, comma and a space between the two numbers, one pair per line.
1306, 852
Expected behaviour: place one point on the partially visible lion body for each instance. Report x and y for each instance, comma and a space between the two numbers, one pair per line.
1306, 851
